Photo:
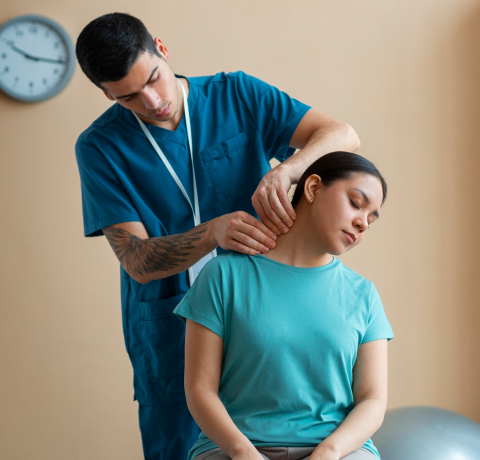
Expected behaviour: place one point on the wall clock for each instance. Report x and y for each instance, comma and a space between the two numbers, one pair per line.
37, 58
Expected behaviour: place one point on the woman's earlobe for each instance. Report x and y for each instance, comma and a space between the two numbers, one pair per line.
312, 184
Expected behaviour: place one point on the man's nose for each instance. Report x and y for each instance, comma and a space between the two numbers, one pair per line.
150, 98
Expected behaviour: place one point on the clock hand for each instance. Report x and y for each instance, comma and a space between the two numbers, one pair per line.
53, 61
14, 48
33, 58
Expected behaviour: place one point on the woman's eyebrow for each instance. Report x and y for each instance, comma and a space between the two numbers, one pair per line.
365, 197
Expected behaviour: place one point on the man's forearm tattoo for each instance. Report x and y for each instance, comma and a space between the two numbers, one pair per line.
140, 257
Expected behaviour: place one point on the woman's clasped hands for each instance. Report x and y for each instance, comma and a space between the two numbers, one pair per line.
321, 453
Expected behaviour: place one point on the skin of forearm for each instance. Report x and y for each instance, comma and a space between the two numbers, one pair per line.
156, 258
331, 139
211, 416
359, 426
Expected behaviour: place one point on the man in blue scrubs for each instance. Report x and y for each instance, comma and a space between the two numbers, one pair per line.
166, 200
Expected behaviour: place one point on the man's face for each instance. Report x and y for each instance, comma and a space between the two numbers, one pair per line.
149, 89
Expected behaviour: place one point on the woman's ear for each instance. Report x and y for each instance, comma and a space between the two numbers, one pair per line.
312, 186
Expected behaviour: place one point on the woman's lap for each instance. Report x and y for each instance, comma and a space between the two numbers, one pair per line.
284, 453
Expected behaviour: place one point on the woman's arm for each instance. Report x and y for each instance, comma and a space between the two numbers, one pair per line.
203, 365
370, 402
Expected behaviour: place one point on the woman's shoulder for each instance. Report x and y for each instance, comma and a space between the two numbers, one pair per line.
355, 279
227, 261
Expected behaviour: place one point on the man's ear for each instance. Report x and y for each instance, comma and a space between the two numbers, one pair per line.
108, 96
161, 48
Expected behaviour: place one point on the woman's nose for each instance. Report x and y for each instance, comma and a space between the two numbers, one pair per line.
150, 99
361, 224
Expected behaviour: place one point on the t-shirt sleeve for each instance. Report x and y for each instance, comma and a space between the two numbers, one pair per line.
203, 302
274, 112
104, 199
378, 326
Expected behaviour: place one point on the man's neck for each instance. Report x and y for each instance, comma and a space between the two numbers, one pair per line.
173, 123
299, 247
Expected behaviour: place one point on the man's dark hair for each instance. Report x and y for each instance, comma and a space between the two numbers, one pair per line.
336, 166
109, 45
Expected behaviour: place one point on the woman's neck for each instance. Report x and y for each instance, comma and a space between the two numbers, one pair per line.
299, 247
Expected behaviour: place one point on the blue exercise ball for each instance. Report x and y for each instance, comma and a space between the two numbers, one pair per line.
427, 433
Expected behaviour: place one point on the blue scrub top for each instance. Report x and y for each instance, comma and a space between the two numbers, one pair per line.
239, 123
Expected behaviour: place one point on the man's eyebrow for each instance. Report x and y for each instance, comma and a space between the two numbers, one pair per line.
148, 81
365, 197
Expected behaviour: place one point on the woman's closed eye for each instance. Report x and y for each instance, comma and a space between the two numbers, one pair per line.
354, 205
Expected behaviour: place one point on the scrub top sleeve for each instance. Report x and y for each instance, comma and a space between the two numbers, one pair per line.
104, 200
378, 326
203, 302
274, 112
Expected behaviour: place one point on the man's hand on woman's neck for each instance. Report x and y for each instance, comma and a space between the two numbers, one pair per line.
299, 247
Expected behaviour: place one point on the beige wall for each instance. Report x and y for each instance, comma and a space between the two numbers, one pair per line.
405, 74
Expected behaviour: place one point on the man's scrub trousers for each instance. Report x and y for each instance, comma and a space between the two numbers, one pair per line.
168, 431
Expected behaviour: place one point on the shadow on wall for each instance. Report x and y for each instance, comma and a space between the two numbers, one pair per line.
466, 173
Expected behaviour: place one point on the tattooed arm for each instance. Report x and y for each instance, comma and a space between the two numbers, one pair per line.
146, 259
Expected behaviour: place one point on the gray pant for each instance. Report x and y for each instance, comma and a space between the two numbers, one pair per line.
285, 453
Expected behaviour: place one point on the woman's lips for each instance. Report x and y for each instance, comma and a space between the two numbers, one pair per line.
163, 112
350, 237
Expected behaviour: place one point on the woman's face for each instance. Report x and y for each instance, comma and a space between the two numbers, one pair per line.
342, 212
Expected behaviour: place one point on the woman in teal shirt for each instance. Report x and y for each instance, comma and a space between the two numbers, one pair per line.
286, 352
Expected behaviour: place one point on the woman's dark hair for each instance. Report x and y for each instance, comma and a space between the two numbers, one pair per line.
109, 45
336, 166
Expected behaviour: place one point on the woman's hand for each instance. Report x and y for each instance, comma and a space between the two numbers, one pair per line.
249, 456
322, 453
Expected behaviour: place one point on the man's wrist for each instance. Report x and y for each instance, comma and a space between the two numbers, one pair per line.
210, 236
290, 170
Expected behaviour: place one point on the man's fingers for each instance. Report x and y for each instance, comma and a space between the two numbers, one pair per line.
254, 232
246, 240
273, 228
286, 203
279, 209
236, 246
254, 222
257, 204
272, 215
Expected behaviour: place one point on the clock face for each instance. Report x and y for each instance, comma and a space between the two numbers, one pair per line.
36, 58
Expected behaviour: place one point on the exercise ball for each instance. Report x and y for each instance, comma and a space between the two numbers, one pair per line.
427, 433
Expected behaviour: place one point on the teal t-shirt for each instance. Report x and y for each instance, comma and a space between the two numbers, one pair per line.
290, 337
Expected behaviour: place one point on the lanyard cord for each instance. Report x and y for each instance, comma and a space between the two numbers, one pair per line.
196, 211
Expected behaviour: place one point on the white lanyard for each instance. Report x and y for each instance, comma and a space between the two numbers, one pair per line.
195, 269
196, 211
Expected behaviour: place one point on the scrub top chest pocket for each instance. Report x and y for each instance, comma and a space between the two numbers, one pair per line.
234, 167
